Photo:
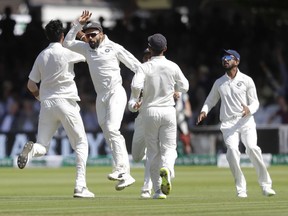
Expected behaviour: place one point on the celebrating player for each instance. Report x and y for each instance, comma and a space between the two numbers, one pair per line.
157, 77
103, 57
239, 102
58, 95
138, 142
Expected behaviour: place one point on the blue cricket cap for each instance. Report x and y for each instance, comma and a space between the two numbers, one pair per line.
234, 53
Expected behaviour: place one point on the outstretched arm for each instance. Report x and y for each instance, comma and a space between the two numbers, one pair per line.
70, 42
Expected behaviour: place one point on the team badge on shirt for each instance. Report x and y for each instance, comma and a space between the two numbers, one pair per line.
239, 84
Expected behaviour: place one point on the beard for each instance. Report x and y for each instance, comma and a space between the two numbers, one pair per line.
228, 66
94, 44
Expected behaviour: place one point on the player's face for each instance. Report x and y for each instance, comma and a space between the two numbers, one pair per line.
146, 57
94, 37
229, 61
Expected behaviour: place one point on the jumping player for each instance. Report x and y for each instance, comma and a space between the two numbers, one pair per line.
58, 95
103, 57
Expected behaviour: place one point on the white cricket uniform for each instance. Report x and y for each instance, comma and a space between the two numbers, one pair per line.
233, 93
111, 99
138, 148
58, 94
157, 78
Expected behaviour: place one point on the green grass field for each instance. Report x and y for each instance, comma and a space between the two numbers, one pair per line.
197, 190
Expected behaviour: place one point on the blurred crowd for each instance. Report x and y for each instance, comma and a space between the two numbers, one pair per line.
196, 45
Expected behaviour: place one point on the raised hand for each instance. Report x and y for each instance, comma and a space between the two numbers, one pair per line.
86, 15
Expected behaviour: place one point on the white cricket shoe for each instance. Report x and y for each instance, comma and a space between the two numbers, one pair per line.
242, 195
23, 157
166, 181
159, 195
116, 176
126, 181
146, 194
83, 193
267, 191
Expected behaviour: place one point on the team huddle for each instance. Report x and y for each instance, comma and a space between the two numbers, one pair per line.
157, 83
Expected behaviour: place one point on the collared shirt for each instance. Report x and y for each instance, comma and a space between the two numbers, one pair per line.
233, 93
158, 78
103, 61
54, 68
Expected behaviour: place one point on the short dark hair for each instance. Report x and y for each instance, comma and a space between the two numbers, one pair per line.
54, 30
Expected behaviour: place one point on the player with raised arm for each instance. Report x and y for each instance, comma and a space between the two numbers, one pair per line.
103, 57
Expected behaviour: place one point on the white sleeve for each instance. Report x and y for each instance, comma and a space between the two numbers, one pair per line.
137, 85
127, 58
211, 100
71, 43
253, 102
35, 74
182, 84
138, 81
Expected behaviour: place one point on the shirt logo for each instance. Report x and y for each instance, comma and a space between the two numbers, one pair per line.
239, 84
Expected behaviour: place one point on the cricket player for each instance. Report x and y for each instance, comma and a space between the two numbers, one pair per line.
103, 57
53, 69
138, 141
239, 102
158, 78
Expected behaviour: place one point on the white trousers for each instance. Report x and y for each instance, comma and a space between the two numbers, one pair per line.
244, 129
139, 150
66, 112
160, 130
110, 110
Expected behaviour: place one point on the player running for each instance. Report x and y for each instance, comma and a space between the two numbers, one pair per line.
53, 69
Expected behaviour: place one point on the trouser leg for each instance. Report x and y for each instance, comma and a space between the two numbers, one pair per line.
233, 158
249, 139
74, 127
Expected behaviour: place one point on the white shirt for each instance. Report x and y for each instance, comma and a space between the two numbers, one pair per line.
54, 68
103, 61
158, 78
233, 93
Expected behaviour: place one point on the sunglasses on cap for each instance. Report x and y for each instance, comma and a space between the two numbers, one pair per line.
92, 34
228, 58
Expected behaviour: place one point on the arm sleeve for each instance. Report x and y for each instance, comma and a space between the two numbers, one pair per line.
182, 84
35, 75
71, 43
74, 57
137, 85
253, 102
127, 58
211, 99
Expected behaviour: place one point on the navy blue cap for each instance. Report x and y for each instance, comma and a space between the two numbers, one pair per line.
234, 53
157, 42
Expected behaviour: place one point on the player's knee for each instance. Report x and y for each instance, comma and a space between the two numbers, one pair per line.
110, 131
253, 149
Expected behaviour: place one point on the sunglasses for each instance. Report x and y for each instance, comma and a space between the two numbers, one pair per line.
92, 34
228, 58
